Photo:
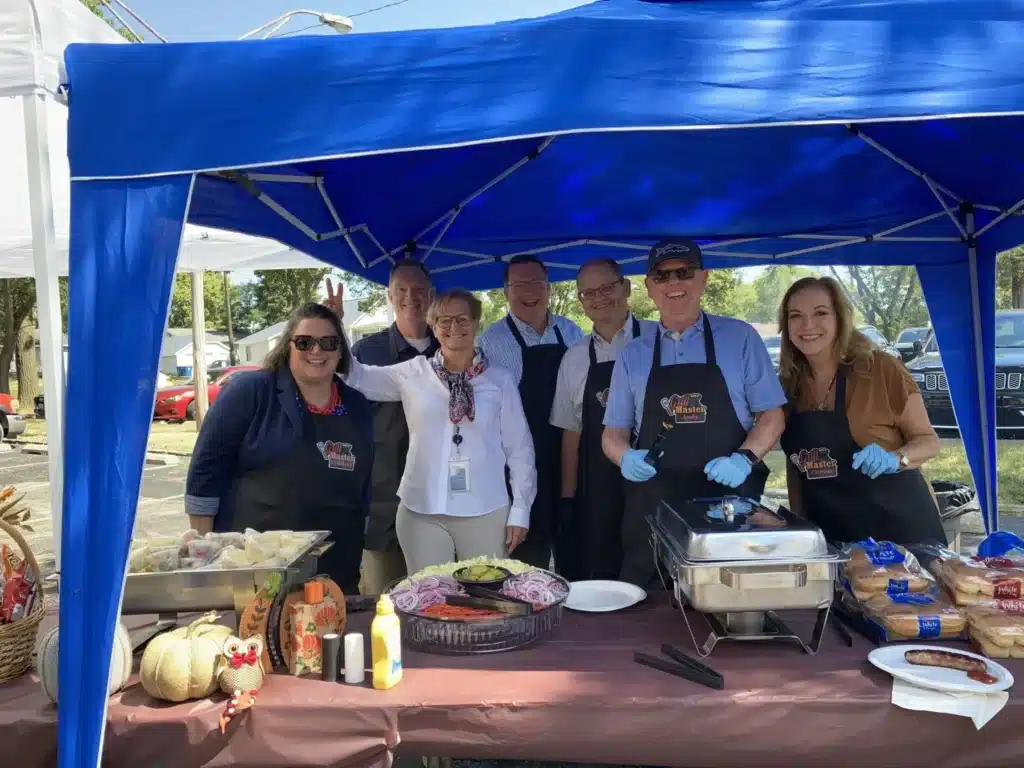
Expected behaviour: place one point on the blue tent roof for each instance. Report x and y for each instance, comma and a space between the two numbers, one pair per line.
781, 131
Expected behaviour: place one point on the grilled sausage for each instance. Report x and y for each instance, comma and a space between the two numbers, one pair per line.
946, 659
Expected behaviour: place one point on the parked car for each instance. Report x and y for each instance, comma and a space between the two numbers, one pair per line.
39, 404
930, 376
12, 423
905, 342
774, 346
879, 340
178, 403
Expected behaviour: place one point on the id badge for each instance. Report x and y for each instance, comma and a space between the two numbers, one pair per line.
458, 475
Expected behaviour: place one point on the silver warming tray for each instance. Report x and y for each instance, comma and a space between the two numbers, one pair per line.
230, 589
738, 562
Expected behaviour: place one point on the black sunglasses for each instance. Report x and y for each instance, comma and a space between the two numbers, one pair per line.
661, 276
326, 343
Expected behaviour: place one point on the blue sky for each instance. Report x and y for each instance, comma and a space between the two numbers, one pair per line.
183, 20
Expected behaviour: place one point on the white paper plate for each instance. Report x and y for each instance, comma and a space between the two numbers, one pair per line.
602, 596
891, 659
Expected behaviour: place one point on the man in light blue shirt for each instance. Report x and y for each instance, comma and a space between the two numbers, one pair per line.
529, 342
693, 407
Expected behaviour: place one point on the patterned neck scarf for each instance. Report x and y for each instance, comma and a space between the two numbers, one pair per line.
460, 391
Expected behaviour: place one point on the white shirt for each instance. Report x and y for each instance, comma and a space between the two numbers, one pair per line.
499, 435
567, 407
503, 350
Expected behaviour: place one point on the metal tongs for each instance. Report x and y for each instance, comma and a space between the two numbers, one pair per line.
682, 665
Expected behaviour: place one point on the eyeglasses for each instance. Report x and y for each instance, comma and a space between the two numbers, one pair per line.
462, 321
326, 343
606, 290
522, 285
662, 276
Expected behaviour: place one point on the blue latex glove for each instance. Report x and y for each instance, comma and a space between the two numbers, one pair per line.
874, 461
728, 470
635, 468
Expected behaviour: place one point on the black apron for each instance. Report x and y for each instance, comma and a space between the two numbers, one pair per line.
391, 446
592, 538
537, 390
845, 503
695, 398
318, 487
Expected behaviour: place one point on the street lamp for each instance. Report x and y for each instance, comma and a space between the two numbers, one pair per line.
337, 22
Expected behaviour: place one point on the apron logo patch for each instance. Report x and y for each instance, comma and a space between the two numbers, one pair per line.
602, 398
338, 455
686, 409
816, 463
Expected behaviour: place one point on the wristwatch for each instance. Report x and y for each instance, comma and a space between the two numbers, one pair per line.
749, 456
904, 461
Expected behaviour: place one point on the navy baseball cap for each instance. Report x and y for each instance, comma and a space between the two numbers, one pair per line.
675, 249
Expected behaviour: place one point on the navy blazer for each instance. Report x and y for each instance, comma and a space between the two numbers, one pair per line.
255, 422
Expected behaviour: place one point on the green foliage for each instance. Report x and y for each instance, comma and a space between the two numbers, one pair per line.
17, 304
96, 6
1010, 279
888, 298
768, 289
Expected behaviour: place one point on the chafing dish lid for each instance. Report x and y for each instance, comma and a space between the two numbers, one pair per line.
732, 528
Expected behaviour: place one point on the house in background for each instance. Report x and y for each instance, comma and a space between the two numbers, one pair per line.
252, 349
176, 351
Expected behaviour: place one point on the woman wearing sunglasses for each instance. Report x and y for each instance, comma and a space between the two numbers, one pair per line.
466, 424
290, 447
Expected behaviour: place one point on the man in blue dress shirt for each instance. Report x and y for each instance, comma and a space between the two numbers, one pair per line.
529, 342
699, 389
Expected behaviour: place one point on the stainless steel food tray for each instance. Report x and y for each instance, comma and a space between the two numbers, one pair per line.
466, 638
194, 591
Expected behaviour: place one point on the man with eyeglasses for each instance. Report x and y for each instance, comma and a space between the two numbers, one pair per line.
593, 492
530, 342
410, 293
699, 389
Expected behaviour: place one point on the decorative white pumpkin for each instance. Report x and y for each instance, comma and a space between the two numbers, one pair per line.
184, 664
48, 661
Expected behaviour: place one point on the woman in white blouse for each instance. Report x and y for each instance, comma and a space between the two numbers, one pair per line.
466, 424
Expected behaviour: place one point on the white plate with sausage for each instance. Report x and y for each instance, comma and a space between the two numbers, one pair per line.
942, 669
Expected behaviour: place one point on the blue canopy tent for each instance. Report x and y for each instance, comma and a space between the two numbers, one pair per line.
781, 131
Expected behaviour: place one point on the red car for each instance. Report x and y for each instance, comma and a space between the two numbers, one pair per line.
11, 422
178, 403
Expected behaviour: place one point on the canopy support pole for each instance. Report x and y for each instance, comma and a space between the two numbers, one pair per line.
51, 347
990, 479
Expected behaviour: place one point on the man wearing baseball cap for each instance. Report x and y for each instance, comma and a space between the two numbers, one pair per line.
698, 388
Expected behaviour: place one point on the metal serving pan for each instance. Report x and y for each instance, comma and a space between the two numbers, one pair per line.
759, 568
194, 591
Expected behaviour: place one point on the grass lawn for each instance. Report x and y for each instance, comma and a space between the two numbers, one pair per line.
163, 437
950, 464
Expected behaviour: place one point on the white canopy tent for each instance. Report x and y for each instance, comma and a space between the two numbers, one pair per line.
35, 191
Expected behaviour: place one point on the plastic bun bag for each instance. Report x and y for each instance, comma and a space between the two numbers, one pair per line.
978, 580
881, 567
914, 616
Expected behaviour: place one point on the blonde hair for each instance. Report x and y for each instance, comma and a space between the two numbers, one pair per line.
476, 309
851, 346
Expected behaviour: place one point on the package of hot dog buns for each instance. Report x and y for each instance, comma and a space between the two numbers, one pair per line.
977, 580
914, 616
883, 568
997, 628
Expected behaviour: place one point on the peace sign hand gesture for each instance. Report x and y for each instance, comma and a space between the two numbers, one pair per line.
336, 301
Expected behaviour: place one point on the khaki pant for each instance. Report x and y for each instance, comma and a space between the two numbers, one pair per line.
380, 569
436, 539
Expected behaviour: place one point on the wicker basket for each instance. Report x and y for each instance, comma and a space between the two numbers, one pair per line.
18, 639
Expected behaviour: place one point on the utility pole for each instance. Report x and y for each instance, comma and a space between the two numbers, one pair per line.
227, 312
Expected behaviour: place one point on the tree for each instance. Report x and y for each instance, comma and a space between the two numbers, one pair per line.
888, 298
768, 289
96, 6
1010, 279
180, 315
279, 291
28, 364
17, 301
372, 297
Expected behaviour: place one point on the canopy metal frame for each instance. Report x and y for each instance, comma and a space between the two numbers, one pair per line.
958, 209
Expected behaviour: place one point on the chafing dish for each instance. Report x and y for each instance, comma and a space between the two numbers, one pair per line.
739, 562
169, 593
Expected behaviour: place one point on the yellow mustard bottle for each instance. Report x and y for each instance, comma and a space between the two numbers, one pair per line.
386, 645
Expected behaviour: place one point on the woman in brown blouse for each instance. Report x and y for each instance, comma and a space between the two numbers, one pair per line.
857, 431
